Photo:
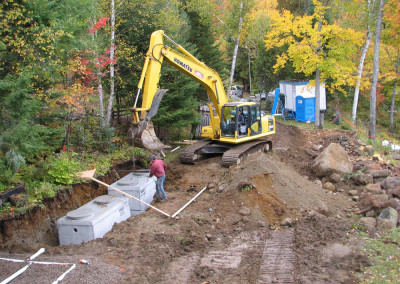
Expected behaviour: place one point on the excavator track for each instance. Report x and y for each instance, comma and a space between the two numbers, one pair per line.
191, 153
238, 153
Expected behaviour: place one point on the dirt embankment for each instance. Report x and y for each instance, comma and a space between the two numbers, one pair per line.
229, 234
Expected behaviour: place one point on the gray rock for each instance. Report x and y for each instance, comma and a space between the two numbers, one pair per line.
318, 182
391, 183
370, 213
374, 188
362, 179
386, 224
355, 198
244, 211
334, 159
392, 202
369, 167
323, 209
369, 222
379, 173
353, 192
329, 186
335, 177
210, 185
221, 188
378, 200
390, 214
316, 147
287, 222
396, 192
311, 153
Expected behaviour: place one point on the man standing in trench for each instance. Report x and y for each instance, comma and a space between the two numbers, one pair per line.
157, 168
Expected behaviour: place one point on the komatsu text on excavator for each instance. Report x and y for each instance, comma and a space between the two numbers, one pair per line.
235, 129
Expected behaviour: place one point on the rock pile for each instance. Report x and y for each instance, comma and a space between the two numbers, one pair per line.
371, 182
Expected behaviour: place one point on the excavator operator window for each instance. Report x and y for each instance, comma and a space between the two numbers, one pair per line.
242, 120
228, 121
255, 120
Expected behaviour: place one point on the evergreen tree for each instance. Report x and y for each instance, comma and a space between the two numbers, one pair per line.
178, 112
207, 50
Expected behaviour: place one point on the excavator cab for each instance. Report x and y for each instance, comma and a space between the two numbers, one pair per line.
240, 120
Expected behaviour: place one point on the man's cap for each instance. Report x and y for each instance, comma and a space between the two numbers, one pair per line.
152, 157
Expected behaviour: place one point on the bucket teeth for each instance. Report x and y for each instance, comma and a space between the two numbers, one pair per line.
145, 137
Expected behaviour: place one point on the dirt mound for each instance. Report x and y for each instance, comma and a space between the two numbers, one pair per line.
231, 233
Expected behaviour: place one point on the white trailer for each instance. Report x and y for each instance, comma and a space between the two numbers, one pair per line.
295, 88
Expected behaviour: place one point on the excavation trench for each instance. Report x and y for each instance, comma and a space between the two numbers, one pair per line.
39, 225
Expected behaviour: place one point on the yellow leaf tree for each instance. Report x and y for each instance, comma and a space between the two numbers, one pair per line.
315, 47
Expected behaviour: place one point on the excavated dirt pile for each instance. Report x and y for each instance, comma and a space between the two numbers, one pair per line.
263, 221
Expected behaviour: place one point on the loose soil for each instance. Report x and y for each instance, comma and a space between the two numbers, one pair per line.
231, 233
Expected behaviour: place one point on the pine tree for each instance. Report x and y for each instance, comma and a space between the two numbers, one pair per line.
179, 108
207, 50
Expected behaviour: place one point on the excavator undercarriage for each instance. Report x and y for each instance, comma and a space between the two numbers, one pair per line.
232, 154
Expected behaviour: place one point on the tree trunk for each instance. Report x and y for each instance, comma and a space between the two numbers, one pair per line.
100, 93
118, 99
372, 106
111, 99
392, 126
317, 99
359, 75
318, 82
249, 72
235, 50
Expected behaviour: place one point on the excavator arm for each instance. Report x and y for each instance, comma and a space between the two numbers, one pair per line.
182, 60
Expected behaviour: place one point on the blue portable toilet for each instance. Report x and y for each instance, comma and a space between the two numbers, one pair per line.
305, 109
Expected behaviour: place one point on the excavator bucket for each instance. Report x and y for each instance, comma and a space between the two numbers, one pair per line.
142, 133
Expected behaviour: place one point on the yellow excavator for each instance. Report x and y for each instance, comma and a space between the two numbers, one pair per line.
236, 128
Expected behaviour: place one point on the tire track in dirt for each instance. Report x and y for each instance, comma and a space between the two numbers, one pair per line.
229, 260
278, 258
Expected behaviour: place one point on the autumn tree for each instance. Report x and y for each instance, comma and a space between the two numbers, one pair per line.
228, 18
372, 109
36, 41
315, 48
392, 51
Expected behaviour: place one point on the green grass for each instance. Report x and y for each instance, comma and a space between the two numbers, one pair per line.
384, 255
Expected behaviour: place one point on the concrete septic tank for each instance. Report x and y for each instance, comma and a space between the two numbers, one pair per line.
92, 220
139, 185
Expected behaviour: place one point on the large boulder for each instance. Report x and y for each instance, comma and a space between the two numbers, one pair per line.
391, 183
373, 188
389, 214
334, 159
379, 173
362, 179
396, 192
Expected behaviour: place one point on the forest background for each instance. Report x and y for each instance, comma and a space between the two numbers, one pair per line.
69, 71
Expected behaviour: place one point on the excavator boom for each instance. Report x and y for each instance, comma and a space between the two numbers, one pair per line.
224, 124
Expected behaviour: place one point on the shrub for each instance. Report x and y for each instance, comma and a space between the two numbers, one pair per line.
62, 169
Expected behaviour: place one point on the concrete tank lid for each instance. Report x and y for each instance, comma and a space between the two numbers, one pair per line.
141, 172
80, 213
131, 179
103, 199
